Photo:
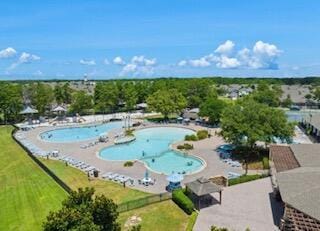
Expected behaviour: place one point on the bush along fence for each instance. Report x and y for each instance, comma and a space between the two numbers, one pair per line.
134, 204
41, 165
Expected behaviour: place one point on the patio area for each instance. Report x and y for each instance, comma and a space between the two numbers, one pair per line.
248, 205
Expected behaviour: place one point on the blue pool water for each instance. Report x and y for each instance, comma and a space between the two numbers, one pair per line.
79, 133
152, 146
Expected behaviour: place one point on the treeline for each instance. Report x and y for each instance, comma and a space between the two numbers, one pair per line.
214, 80
165, 95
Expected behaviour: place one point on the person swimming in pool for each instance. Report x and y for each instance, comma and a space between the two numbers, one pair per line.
153, 160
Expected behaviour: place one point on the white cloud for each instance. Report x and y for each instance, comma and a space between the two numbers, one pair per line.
106, 62
25, 58
261, 56
202, 62
182, 63
118, 61
139, 65
7, 53
225, 48
141, 60
88, 62
225, 62
28, 58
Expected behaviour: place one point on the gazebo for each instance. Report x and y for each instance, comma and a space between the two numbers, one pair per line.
28, 111
201, 190
60, 111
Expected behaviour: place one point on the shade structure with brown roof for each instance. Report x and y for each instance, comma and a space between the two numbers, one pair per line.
203, 187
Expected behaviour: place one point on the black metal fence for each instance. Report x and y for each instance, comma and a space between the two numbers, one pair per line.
134, 204
41, 165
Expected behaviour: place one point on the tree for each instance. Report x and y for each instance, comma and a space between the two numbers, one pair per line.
81, 212
41, 96
267, 95
130, 96
246, 123
106, 97
10, 101
316, 94
63, 93
212, 108
166, 102
287, 102
81, 102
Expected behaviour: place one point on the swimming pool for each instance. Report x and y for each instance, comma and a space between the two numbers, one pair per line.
152, 146
73, 134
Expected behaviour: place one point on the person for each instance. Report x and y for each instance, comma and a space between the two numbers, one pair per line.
153, 160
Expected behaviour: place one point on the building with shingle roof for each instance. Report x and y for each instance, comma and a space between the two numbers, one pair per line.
296, 179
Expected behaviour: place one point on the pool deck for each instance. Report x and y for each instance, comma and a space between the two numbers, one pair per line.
205, 149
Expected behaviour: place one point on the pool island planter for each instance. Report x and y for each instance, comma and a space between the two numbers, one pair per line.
124, 140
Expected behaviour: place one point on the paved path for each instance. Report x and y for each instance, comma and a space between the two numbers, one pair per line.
244, 205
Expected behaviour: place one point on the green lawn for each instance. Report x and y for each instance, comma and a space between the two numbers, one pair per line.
27, 193
76, 179
158, 217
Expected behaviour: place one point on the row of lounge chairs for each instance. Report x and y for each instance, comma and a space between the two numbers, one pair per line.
118, 178
78, 164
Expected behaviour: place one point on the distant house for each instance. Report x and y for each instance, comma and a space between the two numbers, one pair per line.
141, 106
296, 180
233, 95
245, 91
191, 114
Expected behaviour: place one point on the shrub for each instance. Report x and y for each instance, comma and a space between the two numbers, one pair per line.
129, 132
183, 201
215, 228
185, 146
265, 163
190, 138
246, 178
128, 164
202, 134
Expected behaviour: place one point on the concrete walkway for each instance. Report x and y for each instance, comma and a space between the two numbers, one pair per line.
205, 149
248, 205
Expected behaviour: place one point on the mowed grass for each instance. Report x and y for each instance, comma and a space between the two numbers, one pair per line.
158, 217
75, 179
27, 193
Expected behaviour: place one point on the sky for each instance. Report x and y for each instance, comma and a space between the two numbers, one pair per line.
66, 39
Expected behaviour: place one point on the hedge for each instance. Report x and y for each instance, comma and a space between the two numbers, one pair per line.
183, 201
245, 178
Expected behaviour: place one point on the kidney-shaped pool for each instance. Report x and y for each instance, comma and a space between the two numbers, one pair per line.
152, 146
74, 134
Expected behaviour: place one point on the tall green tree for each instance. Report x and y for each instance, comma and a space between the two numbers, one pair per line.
80, 211
246, 123
213, 108
130, 96
11, 102
269, 95
166, 102
106, 97
42, 96
81, 102
63, 93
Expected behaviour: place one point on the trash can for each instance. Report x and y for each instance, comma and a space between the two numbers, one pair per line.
95, 173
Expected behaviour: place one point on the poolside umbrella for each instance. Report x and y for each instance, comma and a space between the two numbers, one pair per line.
175, 178
28, 111
174, 181
146, 174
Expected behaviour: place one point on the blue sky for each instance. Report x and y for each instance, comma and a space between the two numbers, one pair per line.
125, 39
